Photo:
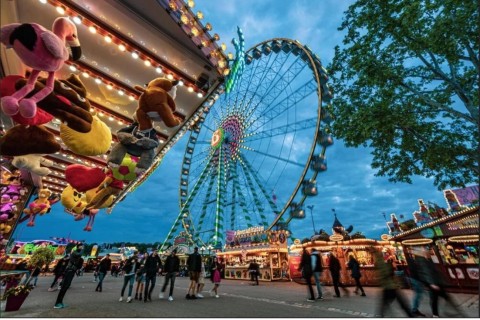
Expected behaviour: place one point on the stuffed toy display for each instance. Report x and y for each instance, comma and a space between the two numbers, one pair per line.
83, 133
156, 104
42, 50
83, 178
138, 147
15, 188
21, 140
39, 206
106, 191
74, 202
8, 208
7, 88
32, 162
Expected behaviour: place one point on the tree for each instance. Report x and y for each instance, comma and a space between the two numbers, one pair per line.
406, 84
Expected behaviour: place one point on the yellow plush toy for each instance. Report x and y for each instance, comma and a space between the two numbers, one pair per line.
39, 206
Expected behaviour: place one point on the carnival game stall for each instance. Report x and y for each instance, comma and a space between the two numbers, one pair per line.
359, 248
14, 193
268, 248
452, 240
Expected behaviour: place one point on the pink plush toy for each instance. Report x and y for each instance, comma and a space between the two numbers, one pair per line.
42, 50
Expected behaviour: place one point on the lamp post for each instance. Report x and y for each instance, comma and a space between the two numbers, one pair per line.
210, 247
202, 249
311, 213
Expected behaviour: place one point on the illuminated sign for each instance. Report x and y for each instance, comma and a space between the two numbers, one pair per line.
336, 237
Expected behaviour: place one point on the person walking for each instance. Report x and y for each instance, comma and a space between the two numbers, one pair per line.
140, 280
386, 276
74, 263
194, 264
58, 271
151, 267
216, 276
354, 267
317, 269
335, 273
434, 280
254, 270
130, 268
172, 268
103, 268
35, 273
306, 268
201, 281
417, 285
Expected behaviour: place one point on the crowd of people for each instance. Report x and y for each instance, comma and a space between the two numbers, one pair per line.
142, 269
421, 273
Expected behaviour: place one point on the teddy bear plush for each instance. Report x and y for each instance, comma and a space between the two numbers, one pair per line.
105, 193
32, 163
39, 206
156, 104
131, 144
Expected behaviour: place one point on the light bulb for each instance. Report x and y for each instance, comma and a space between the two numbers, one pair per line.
122, 47
158, 70
61, 10
135, 55
92, 29
77, 19
108, 39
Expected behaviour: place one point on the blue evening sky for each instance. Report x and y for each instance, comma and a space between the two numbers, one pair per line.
349, 185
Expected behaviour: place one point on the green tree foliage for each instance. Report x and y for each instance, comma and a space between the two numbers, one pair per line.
41, 257
406, 84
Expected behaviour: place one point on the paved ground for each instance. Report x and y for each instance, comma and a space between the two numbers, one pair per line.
237, 299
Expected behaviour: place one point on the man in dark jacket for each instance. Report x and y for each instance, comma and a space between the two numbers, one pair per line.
335, 273
254, 270
172, 268
74, 264
354, 267
429, 275
58, 271
307, 272
103, 268
194, 264
151, 267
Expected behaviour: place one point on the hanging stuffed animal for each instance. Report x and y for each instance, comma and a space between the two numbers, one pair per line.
129, 144
104, 192
32, 163
82, 132
156, 104
42, 50
39, 206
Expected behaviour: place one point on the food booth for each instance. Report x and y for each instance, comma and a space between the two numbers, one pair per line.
268, 248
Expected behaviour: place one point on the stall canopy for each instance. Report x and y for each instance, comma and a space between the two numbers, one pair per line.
125, 43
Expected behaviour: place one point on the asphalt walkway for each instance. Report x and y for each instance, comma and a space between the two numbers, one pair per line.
238, 299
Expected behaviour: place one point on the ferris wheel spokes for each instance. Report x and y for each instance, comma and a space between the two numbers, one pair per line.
282, 130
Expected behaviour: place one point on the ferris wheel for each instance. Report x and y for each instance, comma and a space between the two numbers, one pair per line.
254, 153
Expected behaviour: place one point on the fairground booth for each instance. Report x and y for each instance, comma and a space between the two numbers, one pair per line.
452, 238
267, 248
342, 244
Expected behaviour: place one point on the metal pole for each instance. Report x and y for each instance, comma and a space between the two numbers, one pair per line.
311, 214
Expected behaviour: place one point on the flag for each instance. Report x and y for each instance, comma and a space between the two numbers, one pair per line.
274, 197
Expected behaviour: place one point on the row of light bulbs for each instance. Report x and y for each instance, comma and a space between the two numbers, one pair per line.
136, 54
